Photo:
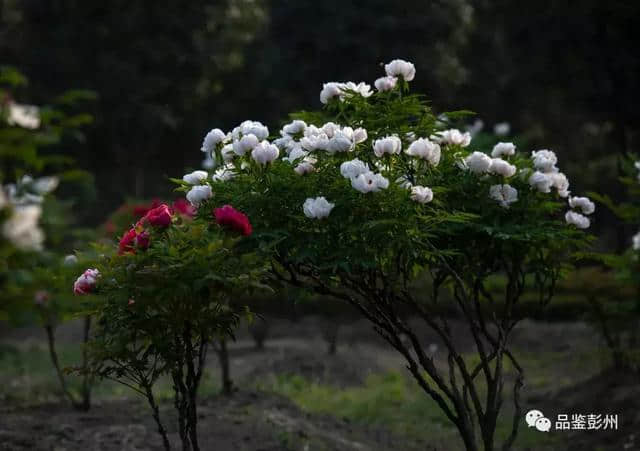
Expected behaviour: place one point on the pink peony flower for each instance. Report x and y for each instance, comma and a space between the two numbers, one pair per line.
159, 216
86, 283
183, 207
228, 216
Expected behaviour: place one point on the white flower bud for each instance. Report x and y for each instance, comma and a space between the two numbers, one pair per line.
421, 194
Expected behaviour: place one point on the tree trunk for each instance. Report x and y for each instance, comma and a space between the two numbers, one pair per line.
223, 358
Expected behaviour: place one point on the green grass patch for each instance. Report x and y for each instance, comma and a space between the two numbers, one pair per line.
27, 376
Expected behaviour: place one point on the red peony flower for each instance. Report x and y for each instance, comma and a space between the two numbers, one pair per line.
127, 242
184, 207
143, 240
230, 217
134, 238
159, 216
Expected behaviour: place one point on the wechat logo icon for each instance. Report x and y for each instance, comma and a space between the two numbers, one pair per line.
535, 418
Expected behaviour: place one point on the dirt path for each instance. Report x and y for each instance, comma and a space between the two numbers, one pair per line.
247, 421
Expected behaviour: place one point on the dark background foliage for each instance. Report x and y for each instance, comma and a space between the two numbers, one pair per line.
563, 74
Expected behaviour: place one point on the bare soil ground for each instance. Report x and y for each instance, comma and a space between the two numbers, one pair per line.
559, 380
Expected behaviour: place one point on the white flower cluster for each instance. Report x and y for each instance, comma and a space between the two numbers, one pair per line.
453, 137
335, 89
579, 219
394, 70
302, 146
503, 194
25, 116
317, 208
332, 138
546, 174
24, 200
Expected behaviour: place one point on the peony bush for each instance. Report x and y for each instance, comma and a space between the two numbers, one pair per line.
164, 296
618, 317
358, 199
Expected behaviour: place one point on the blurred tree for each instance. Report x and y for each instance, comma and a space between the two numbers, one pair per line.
155, 67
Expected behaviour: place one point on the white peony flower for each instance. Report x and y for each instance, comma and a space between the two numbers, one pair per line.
255, 128
503, 150
578, 220
544, 160
329, 91
361, 88
353, 168
541, 182
330, 129
224, 173
389, 144
265, 152
312, 130
21, 229
369, 182
421, 194
245, 144
583, 203
317, 208
296, 154
502, 128
501, 167
359, 135
560, 182
306, 166
199, 193
453, 137
295, 127
425, 149
384, 84
317, 142
636, 242
400, 68
213, 138
340, 142
25, 116
504, 194
285, 142
478, 162
227, 152
196, 177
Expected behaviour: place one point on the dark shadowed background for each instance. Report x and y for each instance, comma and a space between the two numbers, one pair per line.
563, 74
